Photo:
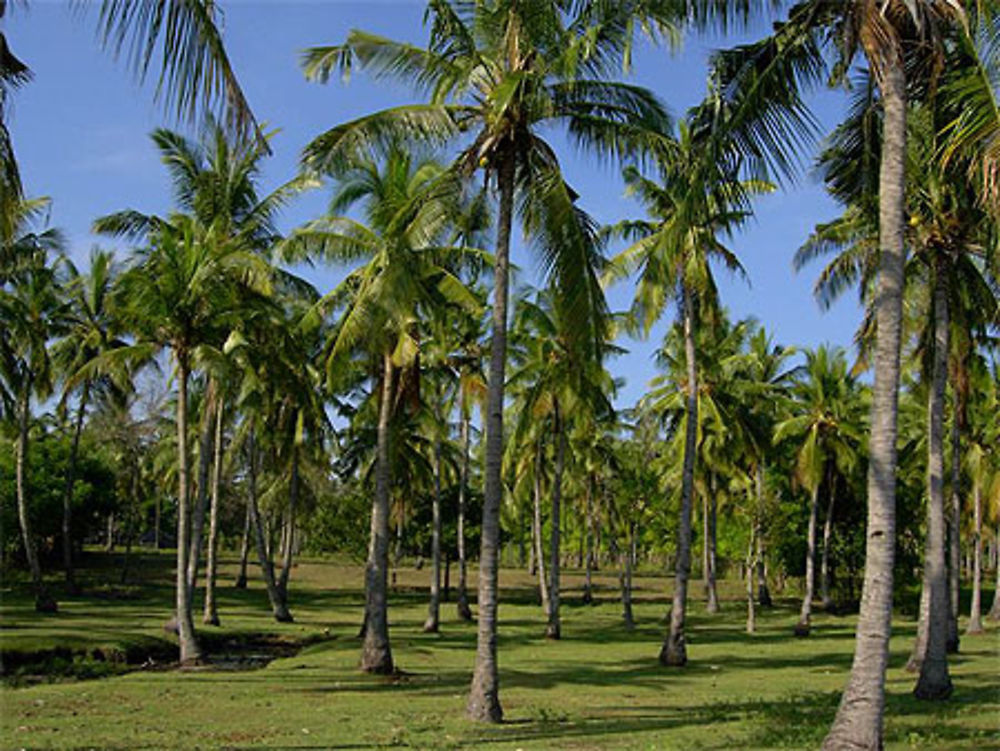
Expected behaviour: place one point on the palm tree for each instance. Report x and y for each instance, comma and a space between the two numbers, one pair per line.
382, 302
91, 334
700, 196
825, 424
32, 311
891, 34
500, 72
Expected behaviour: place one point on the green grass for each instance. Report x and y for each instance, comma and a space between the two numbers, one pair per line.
599, 687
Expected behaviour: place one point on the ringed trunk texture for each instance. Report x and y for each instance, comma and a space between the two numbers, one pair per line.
190, 650
464, 611
975, 625
934, 681
376, 653
43, 600
858, 723
484, 695
674, 651
805, 612
71, 585
553, 630
211, 614
433, 621
923, 614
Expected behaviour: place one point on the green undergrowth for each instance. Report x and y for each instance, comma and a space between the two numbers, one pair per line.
600, 687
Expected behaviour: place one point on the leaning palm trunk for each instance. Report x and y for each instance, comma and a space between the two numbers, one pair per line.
376, 654
674, 651
211, 614
484, 695
434, 607
923, 614
289, 548
71, 586
278, 608
543, 585
241, 577
553, 629
934, 681
858, 724
805, 612
954, 542
975, 625
464, 611
190, 651
43, 600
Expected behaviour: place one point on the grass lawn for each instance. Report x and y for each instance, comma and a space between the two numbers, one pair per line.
599, 687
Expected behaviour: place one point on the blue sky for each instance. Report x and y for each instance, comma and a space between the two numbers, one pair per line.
81, 131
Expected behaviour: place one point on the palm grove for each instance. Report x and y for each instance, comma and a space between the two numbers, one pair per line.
451, 413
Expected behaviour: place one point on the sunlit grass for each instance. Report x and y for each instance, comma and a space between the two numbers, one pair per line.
599, 687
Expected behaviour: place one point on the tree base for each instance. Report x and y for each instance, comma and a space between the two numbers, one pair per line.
44, 603
241, 583
377, 664
464, 611
588, 598
171, 627
913, 665
483, 706
673, 655
553, 631
933, 691
712, 606
974, 628
211, 620
431, 626
802, 629
764, 597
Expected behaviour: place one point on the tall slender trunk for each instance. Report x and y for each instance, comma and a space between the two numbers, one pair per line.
289, 536
858, 724
824, 567
553, 629
190, 650
376, 654
434, 607
588, 592
923, 616
751, 562
241, 577
278, 608
211, 613
156, 522
805, 612
975, 625
627, 557
709, 507
763, 593
934, 681
464, 611
674, 651
130, 514
71, 586
201, 507
995, 608
955, 526
484, 695
543, 584
43, 600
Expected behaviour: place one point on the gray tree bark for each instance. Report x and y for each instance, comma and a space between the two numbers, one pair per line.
674, 650
955, 529
484, 694
553, 629
190, 650
278, 608
241, 577
464, 611
433, 621
211, 612
994, 614
805, 611
858, 723
975, 625
71, 585
539, 548
709, 507
934, 682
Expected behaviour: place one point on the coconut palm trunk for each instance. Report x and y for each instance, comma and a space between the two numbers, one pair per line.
627, 557
289, 547
674, 651
211, 614
858, 723
955, 528
484, 696
824, 566
588, 590
751, 561
241, 577
43, 600
934, 681
278, 608
805, 611
433, 621
71, 585
464, 611
975, 625
376, 654
201, 507
708, 523
994, 614
190, 650
553, 629
543, 584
